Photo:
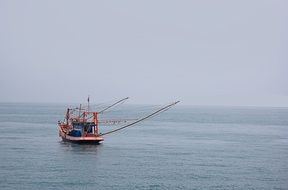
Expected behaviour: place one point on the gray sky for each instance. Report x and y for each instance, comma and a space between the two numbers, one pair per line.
200, 52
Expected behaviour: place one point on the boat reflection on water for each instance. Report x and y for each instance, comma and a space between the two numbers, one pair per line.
84, 148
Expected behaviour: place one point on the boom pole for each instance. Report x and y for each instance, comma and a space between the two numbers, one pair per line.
139, 120
113, 105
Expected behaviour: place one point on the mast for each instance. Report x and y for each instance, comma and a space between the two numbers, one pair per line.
95, 117
80, 107
67, 115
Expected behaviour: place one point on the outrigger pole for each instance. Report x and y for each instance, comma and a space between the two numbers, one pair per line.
139, 120
108, 107
113, 105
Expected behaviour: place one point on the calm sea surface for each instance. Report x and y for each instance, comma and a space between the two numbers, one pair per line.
184, 148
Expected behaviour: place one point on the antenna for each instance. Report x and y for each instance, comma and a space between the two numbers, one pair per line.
88, 100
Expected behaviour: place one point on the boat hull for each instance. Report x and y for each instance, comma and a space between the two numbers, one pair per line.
80, 140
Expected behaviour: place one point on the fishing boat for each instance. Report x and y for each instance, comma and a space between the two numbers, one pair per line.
82, 125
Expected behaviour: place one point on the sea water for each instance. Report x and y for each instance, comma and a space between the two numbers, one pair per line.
187, 147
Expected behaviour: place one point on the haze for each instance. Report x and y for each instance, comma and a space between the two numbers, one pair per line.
199, 52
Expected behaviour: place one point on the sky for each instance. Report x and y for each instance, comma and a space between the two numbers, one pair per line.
230, 53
